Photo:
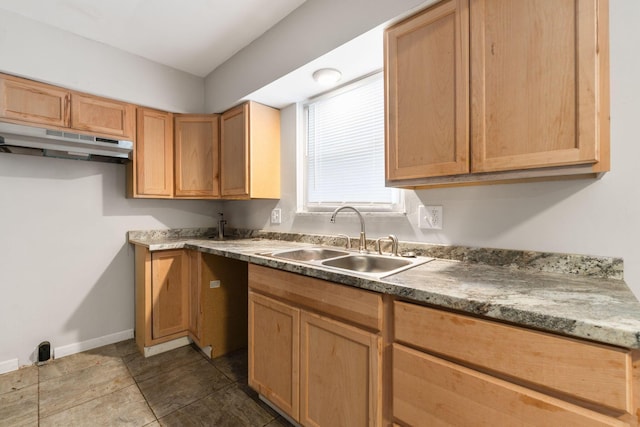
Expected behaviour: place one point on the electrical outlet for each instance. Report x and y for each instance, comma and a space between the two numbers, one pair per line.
276, 216
430, 217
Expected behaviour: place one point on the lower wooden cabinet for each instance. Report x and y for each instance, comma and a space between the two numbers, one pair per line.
306, 354
339, 373
430, 391
169, 293
453, 369
183, 293
162, 296
274, 349
223, 304
316, 348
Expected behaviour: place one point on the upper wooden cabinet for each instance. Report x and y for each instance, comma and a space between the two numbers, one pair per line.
152, 167
27, 101
428, 93
197, 162
534, 74
491, 91
250, 152
103, 116
232, 156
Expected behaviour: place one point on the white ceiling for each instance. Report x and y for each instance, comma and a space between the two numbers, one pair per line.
356, 58
195, 36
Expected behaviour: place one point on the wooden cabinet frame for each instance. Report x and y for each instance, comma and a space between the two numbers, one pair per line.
582, 153
443, 361
428, 115
250, 152
573, 136
102, 116
38, 104
285, 310
197, 156
151, 329
151, 171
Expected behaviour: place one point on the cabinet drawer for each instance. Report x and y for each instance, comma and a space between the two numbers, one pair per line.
592, 372
355, 305
431, 391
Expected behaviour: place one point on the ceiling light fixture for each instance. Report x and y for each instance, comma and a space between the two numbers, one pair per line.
327, 76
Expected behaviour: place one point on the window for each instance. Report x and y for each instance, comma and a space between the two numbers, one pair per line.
344, 150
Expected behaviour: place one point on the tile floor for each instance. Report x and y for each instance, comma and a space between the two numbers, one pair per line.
115, 386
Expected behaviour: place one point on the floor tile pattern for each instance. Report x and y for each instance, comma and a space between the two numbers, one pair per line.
115, 386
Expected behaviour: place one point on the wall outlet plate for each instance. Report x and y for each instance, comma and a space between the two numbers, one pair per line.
276, 216
430, 217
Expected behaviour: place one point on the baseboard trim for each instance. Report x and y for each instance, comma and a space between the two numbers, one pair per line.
9, 366
166, 346
79, 347
278, 410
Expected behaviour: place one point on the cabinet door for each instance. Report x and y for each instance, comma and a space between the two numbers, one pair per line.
234, 152
427, 93
170, 293
153, 160
340, 372
431, 391
274, 344
534, 74
33, 102
196, 156
103, 116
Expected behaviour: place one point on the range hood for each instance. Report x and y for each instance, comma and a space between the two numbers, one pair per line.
35, 141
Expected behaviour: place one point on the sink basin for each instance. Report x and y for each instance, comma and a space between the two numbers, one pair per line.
368, 263
371, 265
309, 254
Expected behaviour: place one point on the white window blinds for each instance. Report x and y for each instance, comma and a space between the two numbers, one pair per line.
345, 148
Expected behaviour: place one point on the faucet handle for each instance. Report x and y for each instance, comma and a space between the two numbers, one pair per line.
348, 241
394, 244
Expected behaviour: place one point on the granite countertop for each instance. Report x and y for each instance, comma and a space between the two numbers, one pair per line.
602, 309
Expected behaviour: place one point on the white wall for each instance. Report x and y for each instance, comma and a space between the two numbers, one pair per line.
40, 52
315, 28
595, 217
66, 269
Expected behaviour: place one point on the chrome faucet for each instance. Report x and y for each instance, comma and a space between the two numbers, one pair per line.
362, 245
221, 223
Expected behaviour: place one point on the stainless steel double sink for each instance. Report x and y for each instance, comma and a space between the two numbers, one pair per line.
373, 265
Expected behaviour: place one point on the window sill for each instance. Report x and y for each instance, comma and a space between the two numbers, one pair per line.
327, 214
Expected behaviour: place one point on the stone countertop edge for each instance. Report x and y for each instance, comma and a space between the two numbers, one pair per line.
598, 309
